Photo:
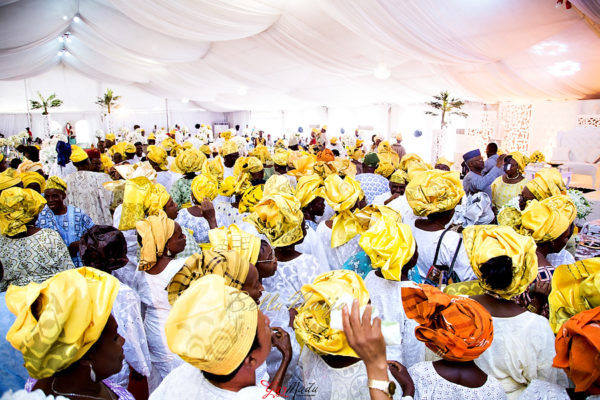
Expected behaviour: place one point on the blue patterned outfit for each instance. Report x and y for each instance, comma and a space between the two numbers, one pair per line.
361, 264
373, 185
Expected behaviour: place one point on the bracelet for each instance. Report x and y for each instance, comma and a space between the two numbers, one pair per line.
532, 308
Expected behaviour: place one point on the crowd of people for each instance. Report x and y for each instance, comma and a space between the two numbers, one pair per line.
305, 268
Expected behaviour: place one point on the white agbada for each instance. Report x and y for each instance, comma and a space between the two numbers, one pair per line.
386, 299
522, 350
399, 204
336, 257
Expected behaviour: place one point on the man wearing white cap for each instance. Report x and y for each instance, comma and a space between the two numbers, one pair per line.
397, 147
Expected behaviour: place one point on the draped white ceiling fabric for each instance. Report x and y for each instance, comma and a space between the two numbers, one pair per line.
227, 55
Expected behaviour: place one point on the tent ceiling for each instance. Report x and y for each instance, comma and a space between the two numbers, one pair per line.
273, 54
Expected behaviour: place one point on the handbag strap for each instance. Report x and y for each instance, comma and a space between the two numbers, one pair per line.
451, 269
437, 249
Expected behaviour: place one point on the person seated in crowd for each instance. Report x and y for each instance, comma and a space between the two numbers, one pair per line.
83, 348
395, 198
70, 222
104, 248
139, 152
512, 183
27, 253
339, 234
95, 160
226, 368
459, 330
547, 182
476, 180
397, 147
157, 157
505, 264
188, 163
371, 183
434, 194
130, 152
33, 180
10, 178
491, 151
310, 191
86, 190
230, 154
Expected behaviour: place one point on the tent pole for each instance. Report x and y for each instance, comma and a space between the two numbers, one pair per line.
167, 112
27, 103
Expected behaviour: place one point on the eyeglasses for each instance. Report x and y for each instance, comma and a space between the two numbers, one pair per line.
266, 261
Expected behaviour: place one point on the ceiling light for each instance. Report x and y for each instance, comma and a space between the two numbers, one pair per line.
549, 48
382, 72
76, 19
184, 100
61, 39
242, 91
564, 68
65, 17
60, 53
66, 53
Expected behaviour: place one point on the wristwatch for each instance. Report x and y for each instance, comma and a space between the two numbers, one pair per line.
387, 387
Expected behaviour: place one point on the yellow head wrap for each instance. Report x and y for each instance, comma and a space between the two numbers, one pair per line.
1, 157
155, 231
226, 135
152, 136
250, 199
575, 288
205, 149
333, 140
355, 153
77, 154
189, 161
117, 148
385, 169
177, 148
389, 244
303, 165
58, 320
233, 238
281, 157
168, 144
483, 242
277, 184
212, 325
510, 216
262, 153
30, 177
187, 145
520, 159
279, 217
156, 199
252, 165
398, 136
231, 186
54, 182
128, 148
229, 264
213, 169
312, 324
546, 183
548, 219
309, 188
110, 136
413, 165
9, 178
157, 155
229, 147
204, 187
134, 196
399, 176
29, 166
444, 161
342, 195
344, 167
434, 191
106, 162
17, 208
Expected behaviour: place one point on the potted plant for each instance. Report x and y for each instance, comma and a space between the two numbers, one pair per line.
45, 103
108, 102
443, 105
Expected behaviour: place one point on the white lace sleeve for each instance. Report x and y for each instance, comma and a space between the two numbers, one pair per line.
540, 390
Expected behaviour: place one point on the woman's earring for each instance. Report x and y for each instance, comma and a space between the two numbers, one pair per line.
92, 373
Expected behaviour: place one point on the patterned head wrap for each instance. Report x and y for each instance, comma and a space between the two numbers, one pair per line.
546, 183
231, 186
279, 217
110, 136
251, 197
189, 161
152, 136
546, 220
303, 165
30, 177
277, 184
54, 182
312, 324
233, 238
228, 264
389, 244
252, 165
157, 155
168, 144
106, 162
155, 231
413, 165
281, 157
29, 166
325, 155
262, 153
156, 199
229, 147
63, 153
57, 321
17, 208
399, 176
342, 195
385, 169
484, 242
212, 325
520, 159
77, 154
434, 191
575, 288
453, 327
204, 187
371, 160
578, 350
205, 149
355, 153
134, 196
475, 209
309, 188
344, 167
510, 216
9, 178
213, 169
128, 148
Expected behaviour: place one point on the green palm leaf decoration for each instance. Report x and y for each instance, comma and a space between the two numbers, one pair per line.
45, 103
108, 101
445, 105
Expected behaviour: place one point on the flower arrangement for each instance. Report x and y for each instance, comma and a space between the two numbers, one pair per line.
583, 205
48, 151
536, 157
134, 137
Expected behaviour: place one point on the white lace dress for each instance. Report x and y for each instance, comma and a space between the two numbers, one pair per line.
563, 257
336, 256
188, 382
386, 299
198, 225
522, 350
327, 383
312, 245
282, 291
429, 385
399, 204
154, 296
